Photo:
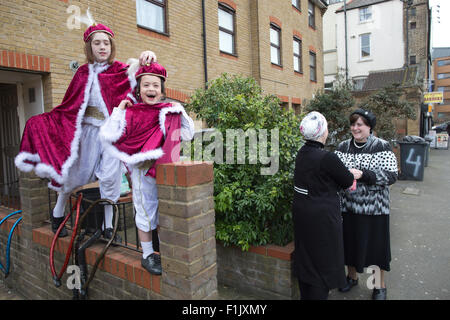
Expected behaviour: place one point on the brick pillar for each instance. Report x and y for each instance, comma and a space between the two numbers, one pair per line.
28, 277
34, 201
187, 231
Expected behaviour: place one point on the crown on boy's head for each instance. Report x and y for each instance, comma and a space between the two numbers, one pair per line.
153, 69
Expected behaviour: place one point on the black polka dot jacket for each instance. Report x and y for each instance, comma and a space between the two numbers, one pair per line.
379, 166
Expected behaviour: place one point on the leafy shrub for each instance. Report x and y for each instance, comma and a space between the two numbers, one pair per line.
251, 208
387, 106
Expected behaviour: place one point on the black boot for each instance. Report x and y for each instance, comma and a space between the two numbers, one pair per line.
350, 284
56, 222
107, 234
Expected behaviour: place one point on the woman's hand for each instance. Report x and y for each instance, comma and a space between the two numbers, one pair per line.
147, 57
124, 104
357, 174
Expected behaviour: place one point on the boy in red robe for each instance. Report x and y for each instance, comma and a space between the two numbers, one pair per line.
143, 135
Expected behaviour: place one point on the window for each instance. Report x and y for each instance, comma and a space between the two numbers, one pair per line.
412, 60
358, 82
365, 14
412, 25
413, 12
312, 67
151, 14
443, 75
297, 108
227, 41
364, 41
443, 89
297, 44
296, 3
441, 63
311, 15
275, 44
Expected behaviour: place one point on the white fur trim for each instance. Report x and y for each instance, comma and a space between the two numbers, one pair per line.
177, 108
131, 72
20, 159
41, 170
76, 140
114, 127
129, 95
135, 158
47, 171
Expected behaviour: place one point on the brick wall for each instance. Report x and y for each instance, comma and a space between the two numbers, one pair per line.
187, 248
418, 43
265, 271
39, 29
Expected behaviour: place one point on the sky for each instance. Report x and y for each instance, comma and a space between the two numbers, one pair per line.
440, 36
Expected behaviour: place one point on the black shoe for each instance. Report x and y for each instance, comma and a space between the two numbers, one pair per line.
350, 284
107, 234
152, 264
56, 222
379, 294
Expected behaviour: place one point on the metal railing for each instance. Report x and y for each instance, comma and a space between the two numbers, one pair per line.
9, 195
127, 229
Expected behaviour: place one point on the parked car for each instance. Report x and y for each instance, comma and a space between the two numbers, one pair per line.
441, 127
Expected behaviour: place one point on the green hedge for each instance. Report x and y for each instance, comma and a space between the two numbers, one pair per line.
251, 208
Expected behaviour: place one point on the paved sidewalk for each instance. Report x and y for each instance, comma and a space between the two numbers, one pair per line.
8, 294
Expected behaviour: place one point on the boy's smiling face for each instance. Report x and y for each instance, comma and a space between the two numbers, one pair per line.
150, 89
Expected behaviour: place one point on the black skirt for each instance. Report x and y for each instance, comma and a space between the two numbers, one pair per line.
366, 241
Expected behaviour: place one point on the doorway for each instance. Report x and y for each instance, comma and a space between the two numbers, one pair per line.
9, 146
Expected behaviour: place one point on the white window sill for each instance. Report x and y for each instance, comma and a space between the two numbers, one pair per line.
366, 21
365, 60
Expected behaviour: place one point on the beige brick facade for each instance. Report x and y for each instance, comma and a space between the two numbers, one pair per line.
40, 28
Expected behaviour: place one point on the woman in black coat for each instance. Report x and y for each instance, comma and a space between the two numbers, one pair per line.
318, 177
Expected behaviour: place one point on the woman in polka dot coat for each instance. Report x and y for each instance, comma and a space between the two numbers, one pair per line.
365, 210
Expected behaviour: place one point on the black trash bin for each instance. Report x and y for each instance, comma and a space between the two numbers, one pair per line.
94, 219
428, 141
413, 156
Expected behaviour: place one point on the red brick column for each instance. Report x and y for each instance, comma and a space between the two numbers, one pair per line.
187, 231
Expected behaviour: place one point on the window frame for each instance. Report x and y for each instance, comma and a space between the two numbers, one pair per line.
297, 5
298, 56
445, 62
361, 47
411, 59
278, 29
164, 6
445, 75
314, 68
443, 88
224, 7
311, 14
369, 8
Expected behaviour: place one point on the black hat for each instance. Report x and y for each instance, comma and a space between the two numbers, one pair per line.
369, 116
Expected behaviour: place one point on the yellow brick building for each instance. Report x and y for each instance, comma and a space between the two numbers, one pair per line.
40, 40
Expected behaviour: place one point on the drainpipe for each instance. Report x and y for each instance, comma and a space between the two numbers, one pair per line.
205, 58
346, 50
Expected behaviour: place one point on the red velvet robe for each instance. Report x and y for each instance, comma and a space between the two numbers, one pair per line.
150, 132
50, 140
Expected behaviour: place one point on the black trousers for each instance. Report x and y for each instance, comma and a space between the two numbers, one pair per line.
309, 292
